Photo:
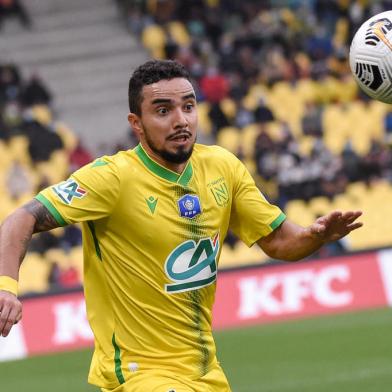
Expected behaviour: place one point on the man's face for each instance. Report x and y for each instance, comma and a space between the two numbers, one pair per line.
168, 122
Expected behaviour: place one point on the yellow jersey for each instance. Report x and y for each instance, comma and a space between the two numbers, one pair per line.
151, 243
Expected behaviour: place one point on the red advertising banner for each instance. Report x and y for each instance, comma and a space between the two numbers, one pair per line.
261, 295
56, 323
244, 297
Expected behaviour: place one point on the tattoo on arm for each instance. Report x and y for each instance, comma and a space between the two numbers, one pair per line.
43, 218
25, 244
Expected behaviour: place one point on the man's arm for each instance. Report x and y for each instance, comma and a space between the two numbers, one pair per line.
291, 242
15, 235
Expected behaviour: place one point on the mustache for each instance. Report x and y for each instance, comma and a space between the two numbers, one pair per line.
179, 134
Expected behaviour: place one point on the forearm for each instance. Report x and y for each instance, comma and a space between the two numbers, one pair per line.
291, 242
15, 236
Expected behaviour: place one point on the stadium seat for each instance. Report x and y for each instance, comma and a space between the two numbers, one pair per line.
229, 138
19, 149
154, 39
34, 274
228, 107
298, 211
205, 125
179, 33
320, 205
248, 140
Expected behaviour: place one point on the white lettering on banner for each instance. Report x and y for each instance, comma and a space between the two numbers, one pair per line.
14, 346
256, 296
260, 295
385, 265
323, 291
71, 322
296, 286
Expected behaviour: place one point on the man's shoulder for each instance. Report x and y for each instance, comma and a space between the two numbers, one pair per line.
115, 161
105, 166
213, 152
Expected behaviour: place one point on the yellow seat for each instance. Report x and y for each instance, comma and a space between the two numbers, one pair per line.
179, 33
205, 125
228, 107
320, 205
299, 212
229, 138
248, 140
246, 256
34, 274
154, 39
18, 147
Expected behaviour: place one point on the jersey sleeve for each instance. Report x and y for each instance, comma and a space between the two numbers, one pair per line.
89, 194
252, 216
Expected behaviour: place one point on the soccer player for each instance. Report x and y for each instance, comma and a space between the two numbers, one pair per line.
154, 219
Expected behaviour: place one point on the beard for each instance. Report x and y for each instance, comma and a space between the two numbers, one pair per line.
180, 156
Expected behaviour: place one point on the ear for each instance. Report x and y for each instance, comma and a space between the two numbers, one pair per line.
135, 123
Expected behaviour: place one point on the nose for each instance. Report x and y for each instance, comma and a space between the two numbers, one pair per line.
180, 120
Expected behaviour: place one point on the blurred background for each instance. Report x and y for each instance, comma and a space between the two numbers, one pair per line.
273, 83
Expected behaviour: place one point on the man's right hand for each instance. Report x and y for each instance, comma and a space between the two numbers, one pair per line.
10, 312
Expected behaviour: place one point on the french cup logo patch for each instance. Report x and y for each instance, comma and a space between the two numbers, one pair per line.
192, 265
189, 206
67, 190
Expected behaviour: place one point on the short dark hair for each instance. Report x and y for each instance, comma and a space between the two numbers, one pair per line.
148, 73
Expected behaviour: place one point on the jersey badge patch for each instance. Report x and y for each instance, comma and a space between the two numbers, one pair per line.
192, 265
189, 206
67, 190
219, 190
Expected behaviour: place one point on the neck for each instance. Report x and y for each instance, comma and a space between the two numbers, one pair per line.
175, 167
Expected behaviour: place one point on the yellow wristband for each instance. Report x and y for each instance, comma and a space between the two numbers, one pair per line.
9, 284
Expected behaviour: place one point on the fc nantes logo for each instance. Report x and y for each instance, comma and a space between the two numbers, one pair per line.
192, 265
69, 189
220, 192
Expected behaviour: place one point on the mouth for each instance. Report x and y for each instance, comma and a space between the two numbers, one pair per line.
180, 137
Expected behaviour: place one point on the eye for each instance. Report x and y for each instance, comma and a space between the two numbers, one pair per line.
162, 110
189, 106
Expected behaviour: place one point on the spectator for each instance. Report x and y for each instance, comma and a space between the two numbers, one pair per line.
36, 93
10, 8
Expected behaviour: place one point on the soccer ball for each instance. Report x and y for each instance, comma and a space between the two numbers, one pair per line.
371, 57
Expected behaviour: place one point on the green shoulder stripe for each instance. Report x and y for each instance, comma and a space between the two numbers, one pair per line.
52, 209
99, 162
278, 221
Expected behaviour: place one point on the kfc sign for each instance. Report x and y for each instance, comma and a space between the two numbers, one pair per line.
71, 322
275, 294
292, 290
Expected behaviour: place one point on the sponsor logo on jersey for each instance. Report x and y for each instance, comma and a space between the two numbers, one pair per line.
192, 265
189, 206
68, 190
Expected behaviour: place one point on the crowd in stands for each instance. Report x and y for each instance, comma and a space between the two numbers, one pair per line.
36, 150
274, 86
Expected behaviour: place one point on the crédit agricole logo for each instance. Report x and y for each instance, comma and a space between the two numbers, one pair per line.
192, 265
